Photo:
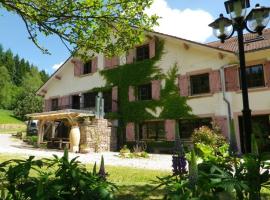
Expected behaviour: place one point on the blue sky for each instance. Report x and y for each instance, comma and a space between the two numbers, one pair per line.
184, 18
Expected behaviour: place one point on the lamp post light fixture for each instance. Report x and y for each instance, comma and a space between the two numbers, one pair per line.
223, 28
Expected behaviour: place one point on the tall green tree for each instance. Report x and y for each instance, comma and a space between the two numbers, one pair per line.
5, 88
85, 24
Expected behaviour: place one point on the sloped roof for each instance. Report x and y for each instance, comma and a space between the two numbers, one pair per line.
252, 42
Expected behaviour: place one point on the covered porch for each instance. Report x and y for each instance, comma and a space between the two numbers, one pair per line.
60, 128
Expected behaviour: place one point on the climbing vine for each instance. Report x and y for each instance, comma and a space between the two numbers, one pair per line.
170, 105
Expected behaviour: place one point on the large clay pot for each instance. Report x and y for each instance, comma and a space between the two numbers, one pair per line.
74, 138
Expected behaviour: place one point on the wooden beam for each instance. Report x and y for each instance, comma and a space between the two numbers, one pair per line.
57, 77
220, 56
186, 46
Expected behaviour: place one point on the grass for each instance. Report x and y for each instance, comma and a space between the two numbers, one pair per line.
133, 183
6, 117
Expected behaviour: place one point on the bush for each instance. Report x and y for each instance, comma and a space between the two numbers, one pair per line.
137, 152
218, 177
50, 179
207, 136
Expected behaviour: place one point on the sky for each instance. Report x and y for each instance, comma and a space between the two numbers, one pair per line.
187, 19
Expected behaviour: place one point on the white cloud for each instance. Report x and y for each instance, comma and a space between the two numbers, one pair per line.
56, 66
187, 23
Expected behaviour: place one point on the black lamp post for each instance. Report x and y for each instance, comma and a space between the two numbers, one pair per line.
224, 28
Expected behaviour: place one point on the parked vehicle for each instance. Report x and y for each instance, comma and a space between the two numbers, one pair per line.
32, 128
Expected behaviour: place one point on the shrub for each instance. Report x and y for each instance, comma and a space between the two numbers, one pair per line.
211, 179
48, 179
207, 136
137, 152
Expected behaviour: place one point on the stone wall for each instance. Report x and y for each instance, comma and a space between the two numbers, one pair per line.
97, 135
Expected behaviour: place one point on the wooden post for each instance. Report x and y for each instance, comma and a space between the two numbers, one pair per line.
40, 131
53, 129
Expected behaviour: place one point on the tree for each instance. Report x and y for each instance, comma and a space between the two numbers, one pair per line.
31, 80
26, 104
85, 24
5, 88
44, 76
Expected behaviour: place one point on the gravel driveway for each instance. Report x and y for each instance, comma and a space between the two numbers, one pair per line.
11, 145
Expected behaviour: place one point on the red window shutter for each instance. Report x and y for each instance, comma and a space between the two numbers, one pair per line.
64, 102
78, 67
152, 48
131, 95
215, 83
115, 61
107, 63
130, 132
156, 84
183, 82
94, 64
231, 79
130, 56
221, 122
170, 130
114, 98
47, 105
267, 74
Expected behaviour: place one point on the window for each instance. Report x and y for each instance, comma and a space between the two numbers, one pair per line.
76, 101
90, 99
255, 76
142, 52
87, 67
145, 92
187, 126
152, 130
199, 84
54, 104
107, 95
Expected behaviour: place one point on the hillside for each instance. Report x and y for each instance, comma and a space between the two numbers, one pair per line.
6, 117
18, 84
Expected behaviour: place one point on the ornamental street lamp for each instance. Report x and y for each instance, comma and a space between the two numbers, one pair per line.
224, 28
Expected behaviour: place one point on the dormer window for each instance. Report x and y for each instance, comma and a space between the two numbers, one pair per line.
87, 67
142, 52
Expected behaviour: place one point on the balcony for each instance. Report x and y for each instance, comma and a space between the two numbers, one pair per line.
81, 106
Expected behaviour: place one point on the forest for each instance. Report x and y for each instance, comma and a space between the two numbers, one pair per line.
18, 84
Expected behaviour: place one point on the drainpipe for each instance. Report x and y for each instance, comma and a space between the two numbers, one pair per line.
229, 114
233, 142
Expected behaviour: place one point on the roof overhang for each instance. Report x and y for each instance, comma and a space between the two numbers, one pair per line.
61, 114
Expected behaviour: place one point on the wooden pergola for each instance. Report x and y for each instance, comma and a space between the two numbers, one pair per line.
71, 115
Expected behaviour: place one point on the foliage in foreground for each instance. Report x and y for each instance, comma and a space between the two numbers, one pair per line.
84, 24
214, 174
61, 179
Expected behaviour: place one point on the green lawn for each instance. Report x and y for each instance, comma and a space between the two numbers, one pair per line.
6, 117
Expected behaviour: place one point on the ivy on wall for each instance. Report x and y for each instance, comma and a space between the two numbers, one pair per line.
170, 106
